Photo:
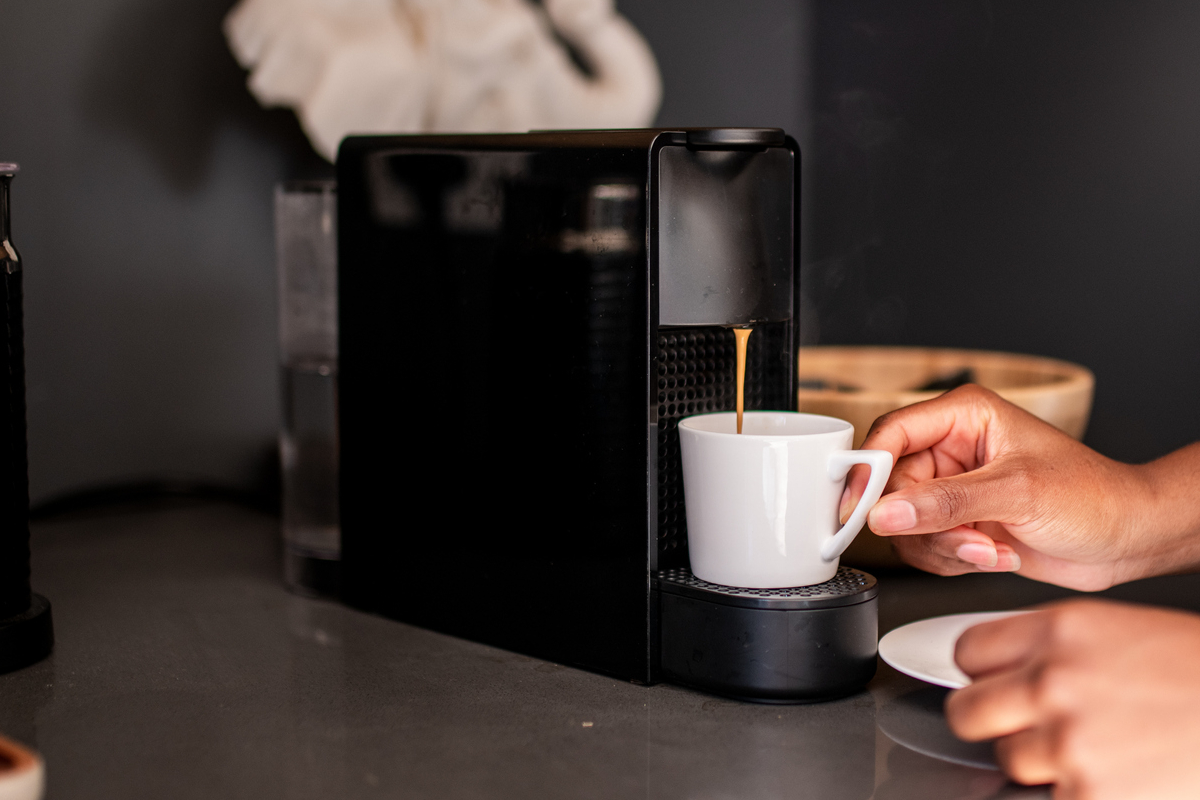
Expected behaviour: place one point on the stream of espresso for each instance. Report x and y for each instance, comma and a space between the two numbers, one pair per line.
742, 334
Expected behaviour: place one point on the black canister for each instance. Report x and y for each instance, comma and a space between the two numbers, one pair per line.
26, 633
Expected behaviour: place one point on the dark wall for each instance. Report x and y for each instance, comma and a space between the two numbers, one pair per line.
143, 212
144, 215
739, 64
1019, 176
1013, 175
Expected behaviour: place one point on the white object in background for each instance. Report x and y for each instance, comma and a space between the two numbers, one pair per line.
925, 649
762, 505
407, 66
23, 775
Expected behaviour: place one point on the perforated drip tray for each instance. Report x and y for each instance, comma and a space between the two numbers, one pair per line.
848, 587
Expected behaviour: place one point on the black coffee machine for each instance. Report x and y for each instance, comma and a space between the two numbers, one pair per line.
524, 319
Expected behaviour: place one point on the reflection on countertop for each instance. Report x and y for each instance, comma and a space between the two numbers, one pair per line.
915, 720
920, 757
183, 669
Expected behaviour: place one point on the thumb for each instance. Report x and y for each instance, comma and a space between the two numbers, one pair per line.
939, 504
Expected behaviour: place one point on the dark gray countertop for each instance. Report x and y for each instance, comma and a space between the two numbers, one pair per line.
184, 670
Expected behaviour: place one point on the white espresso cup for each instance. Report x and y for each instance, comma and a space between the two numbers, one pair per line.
762, 505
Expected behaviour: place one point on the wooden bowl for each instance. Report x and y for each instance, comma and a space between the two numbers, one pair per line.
1056, 391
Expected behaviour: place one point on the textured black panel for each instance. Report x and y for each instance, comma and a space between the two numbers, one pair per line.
847, 587
696, 374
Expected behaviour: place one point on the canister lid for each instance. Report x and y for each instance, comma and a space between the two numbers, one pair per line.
7, 168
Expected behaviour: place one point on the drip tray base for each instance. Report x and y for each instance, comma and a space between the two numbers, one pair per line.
800, 645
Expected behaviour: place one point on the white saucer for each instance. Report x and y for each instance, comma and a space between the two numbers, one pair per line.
925, 649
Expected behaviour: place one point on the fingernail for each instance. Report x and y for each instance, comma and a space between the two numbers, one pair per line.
844, 510
1012, 561
982, 555
893, 516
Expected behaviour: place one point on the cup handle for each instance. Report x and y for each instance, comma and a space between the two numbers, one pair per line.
880, 462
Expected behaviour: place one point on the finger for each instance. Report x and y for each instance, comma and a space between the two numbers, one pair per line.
1031, 756
1002, 644
994, 492
957, 421
966, 410
938, 552
998, 704
914, 469
956, 552
907, 471
1007, 559
911, 469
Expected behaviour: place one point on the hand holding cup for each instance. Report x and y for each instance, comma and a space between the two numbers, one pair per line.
981, 485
